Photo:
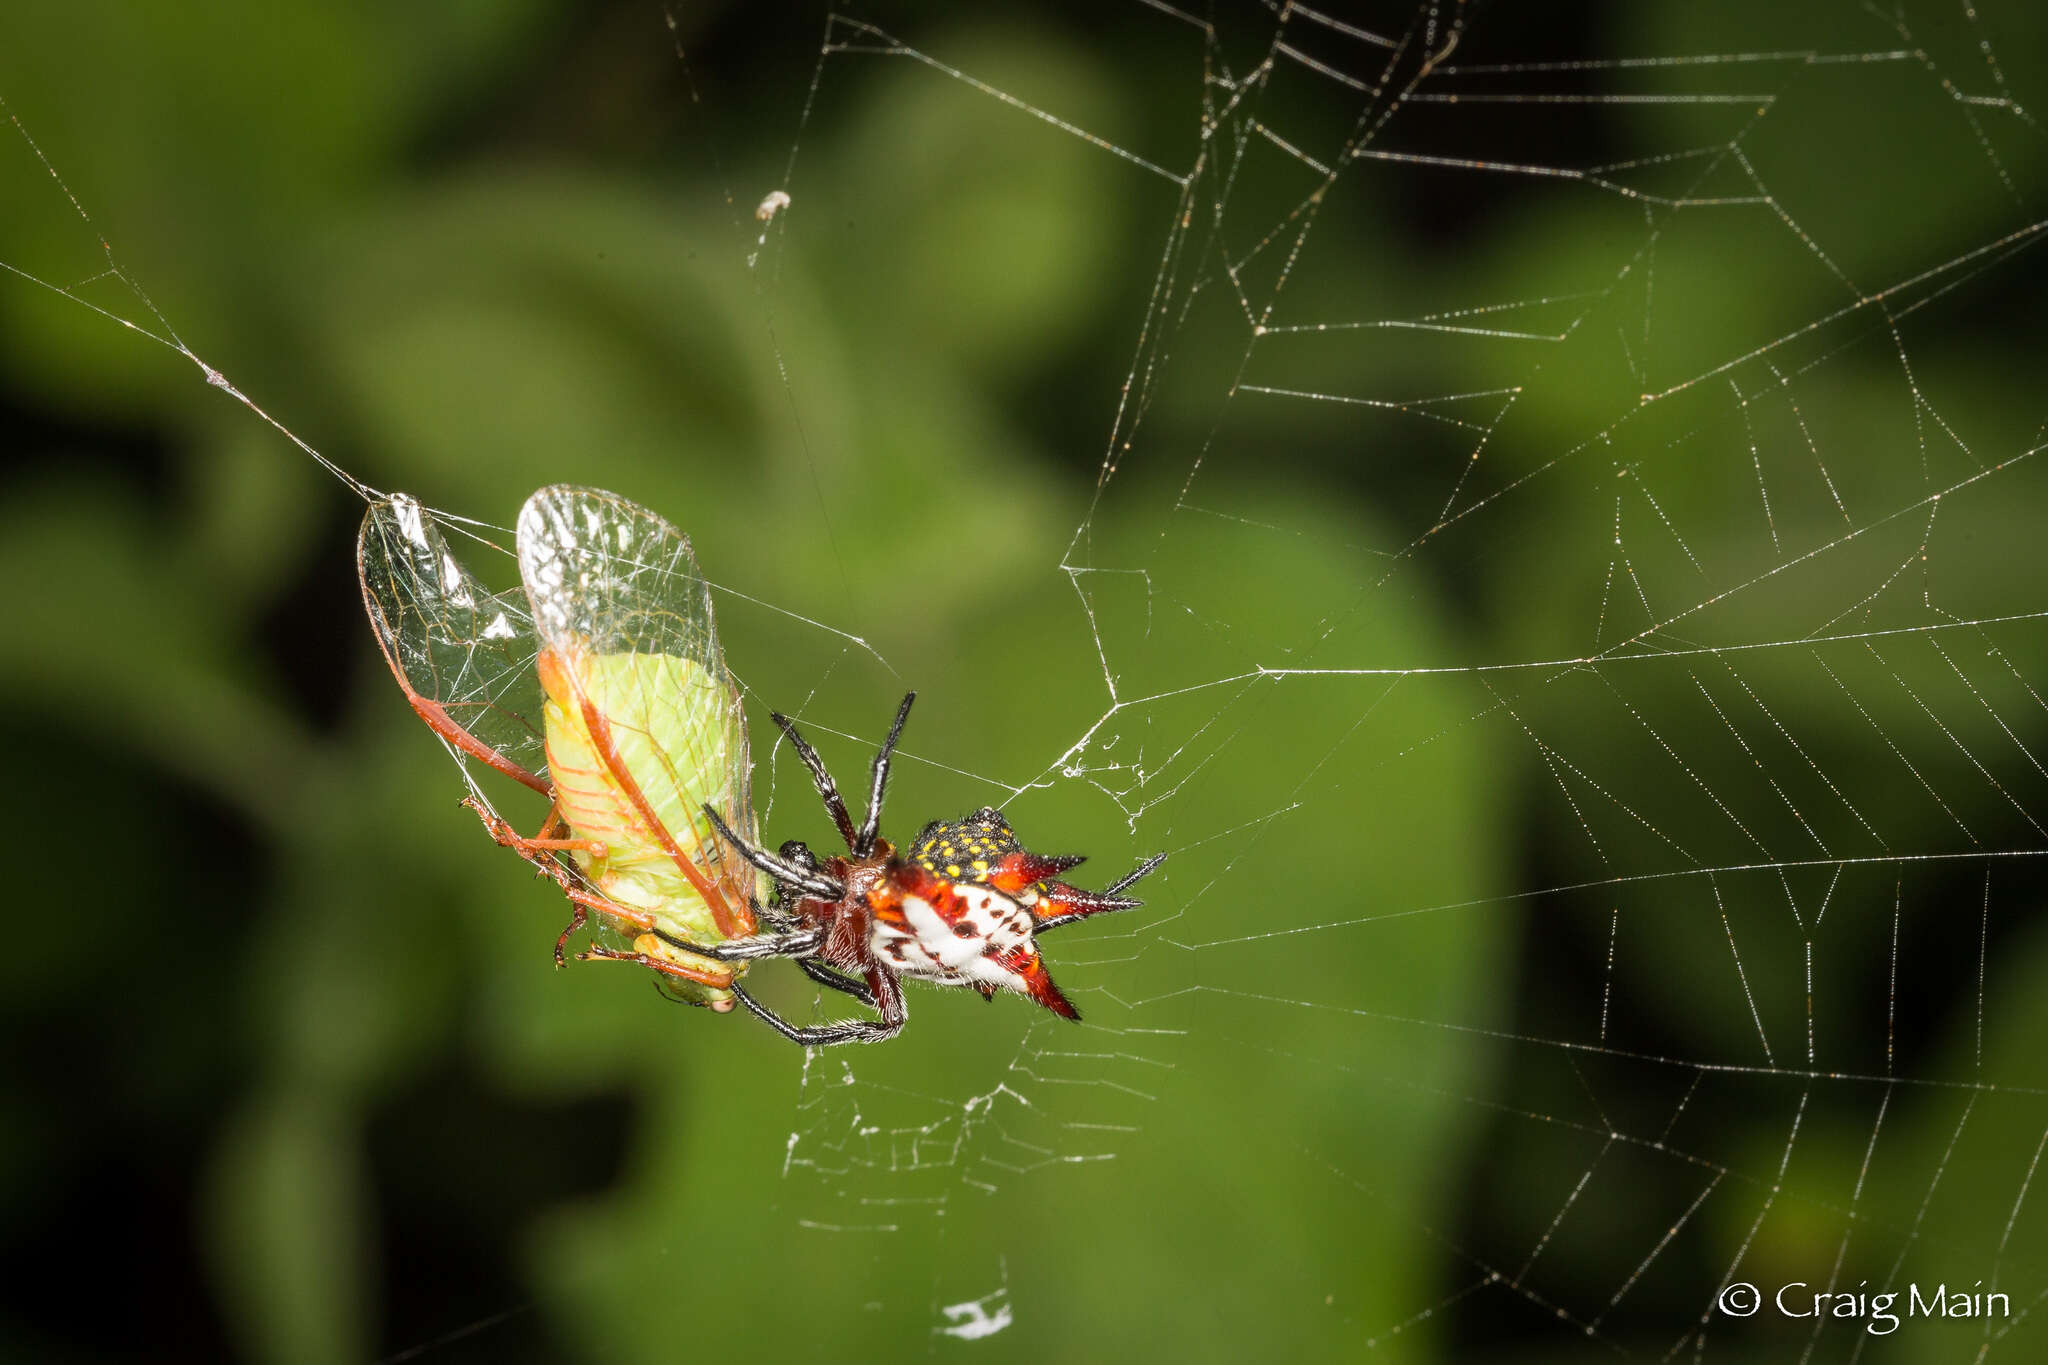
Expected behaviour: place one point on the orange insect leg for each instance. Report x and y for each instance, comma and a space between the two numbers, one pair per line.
544, 842
717, 979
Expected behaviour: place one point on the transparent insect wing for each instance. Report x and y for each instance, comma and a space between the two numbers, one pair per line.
452, 642
610, 576
624, 612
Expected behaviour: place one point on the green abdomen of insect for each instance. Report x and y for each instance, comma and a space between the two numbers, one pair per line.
636, 747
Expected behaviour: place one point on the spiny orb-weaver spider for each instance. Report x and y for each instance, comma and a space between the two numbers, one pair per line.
602, 686
963, 909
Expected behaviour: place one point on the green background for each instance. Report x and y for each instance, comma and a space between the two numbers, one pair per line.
1480, 1011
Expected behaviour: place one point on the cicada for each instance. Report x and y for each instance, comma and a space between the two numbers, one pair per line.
602, 687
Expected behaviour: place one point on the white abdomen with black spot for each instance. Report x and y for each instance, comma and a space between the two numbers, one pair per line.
965, 951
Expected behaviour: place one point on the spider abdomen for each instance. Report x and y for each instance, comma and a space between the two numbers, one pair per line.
954, 933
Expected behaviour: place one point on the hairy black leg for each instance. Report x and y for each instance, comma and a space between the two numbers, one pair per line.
799, 944
778, 919
825, 976
1143, 870
864, 844
827, 1035
788, 873
828, 790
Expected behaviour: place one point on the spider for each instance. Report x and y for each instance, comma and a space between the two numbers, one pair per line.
964, 909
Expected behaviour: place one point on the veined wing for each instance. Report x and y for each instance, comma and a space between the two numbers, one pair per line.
644, 725
463, 654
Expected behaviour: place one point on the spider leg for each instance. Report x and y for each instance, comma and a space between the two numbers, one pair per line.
789, 874
1142, 871
888, 1002
802, 943
778, 919
792, 945
864, 843
825, 976
828, 790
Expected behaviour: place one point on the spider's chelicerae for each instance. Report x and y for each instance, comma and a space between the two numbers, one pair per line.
964, 908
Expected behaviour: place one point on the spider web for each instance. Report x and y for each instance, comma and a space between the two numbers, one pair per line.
1605, 832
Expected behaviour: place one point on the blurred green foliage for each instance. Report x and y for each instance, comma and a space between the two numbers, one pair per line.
294, 991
